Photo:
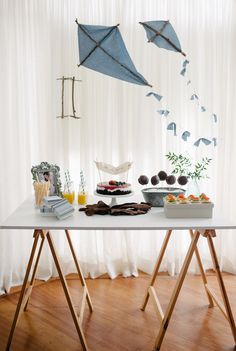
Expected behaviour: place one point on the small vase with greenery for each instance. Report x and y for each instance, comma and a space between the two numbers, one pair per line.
183, 165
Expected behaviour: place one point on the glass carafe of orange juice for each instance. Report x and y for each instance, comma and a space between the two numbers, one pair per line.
69, 193
82, 195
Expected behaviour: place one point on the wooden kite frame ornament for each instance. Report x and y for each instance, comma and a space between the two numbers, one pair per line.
73, 80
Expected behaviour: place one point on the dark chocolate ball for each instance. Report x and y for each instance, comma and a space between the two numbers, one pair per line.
155, 180
182, 180
162, 175
143, 180
170, 180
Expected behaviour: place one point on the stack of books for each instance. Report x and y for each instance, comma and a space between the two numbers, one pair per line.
56, 206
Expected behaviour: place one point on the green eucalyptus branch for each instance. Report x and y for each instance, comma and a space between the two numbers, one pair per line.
183, 166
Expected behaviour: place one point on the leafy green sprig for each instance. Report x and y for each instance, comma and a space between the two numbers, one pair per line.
183, 166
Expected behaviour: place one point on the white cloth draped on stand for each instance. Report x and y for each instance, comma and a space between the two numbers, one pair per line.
119, 123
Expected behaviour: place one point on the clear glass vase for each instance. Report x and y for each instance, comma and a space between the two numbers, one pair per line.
193, 188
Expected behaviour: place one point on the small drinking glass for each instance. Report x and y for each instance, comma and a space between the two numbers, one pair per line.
69, 193
82, 196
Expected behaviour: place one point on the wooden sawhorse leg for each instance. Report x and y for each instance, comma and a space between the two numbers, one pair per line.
226, 309
204, 279
158, 263
67, 294
26, 292
156, 268
85, 290
23, 296
165, 317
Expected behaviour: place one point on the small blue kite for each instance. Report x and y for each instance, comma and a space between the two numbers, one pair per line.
162, 34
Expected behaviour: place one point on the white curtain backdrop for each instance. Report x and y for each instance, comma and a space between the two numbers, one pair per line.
39, 44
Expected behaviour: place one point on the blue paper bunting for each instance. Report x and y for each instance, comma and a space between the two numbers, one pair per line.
157, 96
194, 97
163, 112
172, 126
188, 82
203, 109
184, 65
214, 141
214, 117
183, 72
186, 135
203, 140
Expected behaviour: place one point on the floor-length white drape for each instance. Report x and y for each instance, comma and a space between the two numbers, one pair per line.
38, 45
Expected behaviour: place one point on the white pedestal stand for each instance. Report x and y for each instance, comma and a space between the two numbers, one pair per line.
113, 197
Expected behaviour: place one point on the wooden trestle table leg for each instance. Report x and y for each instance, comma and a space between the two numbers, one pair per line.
156, 268
175, 294
23, 297
79, 271
199, 262
25, 292
32, 280
228, 312
165, 317
67, 294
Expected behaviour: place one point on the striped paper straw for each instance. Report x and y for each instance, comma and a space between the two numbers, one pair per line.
67, 182
82, 182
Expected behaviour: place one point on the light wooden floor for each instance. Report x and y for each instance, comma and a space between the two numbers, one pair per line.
117, 323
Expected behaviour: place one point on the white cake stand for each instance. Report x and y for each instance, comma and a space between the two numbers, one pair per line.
113, 197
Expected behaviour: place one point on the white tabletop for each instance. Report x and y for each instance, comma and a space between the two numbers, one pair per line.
27, 217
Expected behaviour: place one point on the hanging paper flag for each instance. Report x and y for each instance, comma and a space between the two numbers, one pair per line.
102, 49
184, 66
163, 112
172, 126
162, 34
183, 72
214, 141
203, 140
214, 117
194, 97
185, 63
189, 81
186, 135
157, 96
203, 109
